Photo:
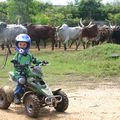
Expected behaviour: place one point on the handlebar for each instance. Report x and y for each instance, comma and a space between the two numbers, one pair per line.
43, 63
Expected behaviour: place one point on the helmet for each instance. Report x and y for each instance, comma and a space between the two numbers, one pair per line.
23, 38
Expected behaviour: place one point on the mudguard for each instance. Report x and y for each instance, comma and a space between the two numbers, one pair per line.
26, 94
9, 93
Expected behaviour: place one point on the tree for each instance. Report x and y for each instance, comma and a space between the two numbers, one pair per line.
20, 9
90, 8
111, 12
3, 11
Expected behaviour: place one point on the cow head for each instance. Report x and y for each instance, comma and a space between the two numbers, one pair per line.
83, 26
90, 30
111, 25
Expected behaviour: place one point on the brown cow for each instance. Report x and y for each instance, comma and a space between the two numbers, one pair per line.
105, 33
90, 32
44, 32
116, 35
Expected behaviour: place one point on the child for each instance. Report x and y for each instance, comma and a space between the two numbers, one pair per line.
22, 58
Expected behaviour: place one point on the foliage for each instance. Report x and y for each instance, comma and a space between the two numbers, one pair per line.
41, 19
20, 10
90, 8
3, 11
110, 12
116, 18
25, 11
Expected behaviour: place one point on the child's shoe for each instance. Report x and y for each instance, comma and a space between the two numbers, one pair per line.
17, 100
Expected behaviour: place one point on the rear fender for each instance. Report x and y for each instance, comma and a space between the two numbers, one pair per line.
9, 93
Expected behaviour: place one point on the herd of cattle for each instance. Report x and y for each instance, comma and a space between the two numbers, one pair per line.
86, 35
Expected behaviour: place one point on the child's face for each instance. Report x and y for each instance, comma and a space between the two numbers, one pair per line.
22, 45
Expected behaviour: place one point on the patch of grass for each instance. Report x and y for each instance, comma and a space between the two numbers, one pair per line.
92, 61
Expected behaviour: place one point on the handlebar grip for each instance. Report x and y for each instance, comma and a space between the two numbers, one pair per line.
45, 62
14, 61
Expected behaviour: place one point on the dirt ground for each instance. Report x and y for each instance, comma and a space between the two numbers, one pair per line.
89, 99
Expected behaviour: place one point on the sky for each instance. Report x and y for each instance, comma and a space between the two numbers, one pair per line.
64, 2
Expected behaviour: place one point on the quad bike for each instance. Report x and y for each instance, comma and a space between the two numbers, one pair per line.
37, 93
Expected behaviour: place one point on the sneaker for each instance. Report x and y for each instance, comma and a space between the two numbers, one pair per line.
17, 100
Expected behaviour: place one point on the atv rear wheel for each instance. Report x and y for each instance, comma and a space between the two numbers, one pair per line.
32, 105
4, 103
63, 105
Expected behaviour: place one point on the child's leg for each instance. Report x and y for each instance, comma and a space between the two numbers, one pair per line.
19, 90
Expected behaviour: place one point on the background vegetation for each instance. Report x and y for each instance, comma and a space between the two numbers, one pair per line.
38, 12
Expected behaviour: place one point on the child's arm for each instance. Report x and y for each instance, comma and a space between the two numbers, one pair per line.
35, 60
14, 60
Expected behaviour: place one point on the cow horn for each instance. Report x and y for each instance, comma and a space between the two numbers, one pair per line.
109, 23
58, 27
90, 23
81, 22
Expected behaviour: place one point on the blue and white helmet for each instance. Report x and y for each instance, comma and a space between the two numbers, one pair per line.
23, 38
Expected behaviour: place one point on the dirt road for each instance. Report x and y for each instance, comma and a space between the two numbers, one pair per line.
88, 100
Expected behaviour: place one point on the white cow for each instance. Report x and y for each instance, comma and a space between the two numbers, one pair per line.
66, 33
8, 34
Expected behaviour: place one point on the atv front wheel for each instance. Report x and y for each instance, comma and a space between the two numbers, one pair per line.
32, 105
4, 103
63, 105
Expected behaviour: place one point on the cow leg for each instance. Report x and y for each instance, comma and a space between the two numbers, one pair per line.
77, 44
65, 42
53, 43
56, 44
83, 45
65, 48
9, 48
110, 40
44, 42
2, 46
93, 43
71, 43
59, 44
37, 44
87, 44
10, 44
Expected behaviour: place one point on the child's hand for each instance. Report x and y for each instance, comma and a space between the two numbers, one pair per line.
14, 61
45, 62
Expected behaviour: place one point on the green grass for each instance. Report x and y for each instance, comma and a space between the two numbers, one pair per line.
94, 61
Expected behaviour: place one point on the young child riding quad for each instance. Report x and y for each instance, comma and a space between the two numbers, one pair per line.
22, 57
31, 90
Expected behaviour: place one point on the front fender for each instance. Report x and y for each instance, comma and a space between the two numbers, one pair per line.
26, 94
54, 92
